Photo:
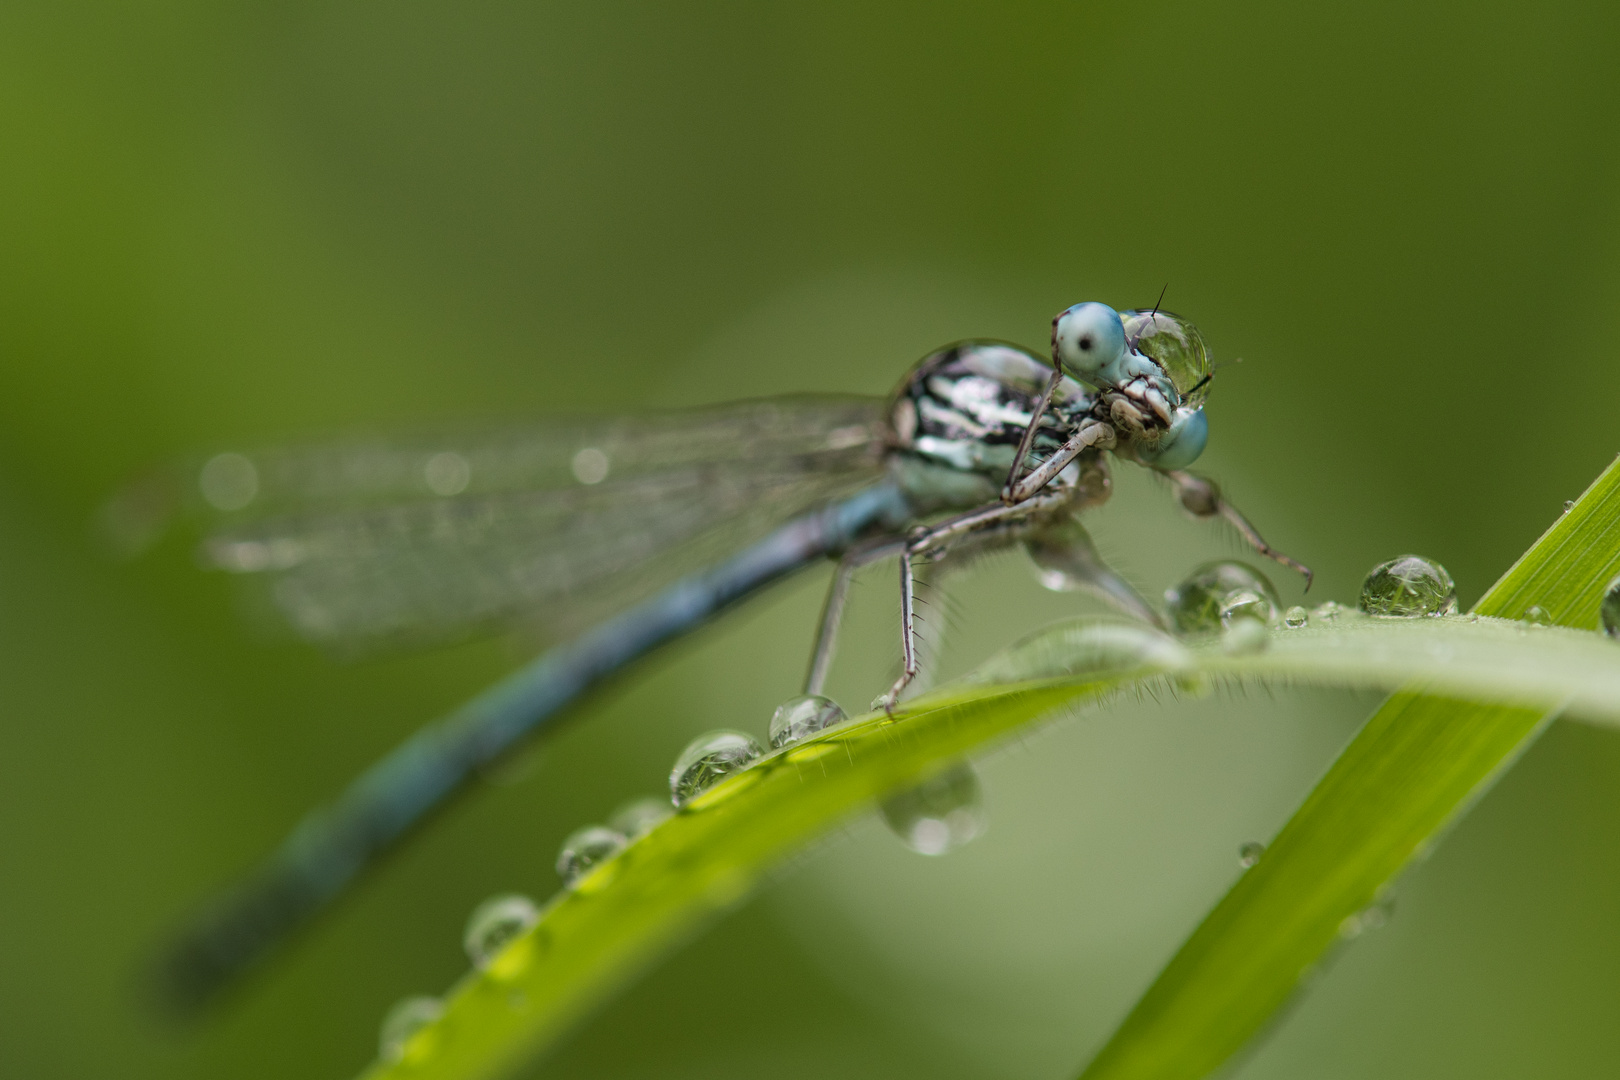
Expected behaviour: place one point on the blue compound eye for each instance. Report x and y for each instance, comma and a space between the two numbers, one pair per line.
1089, 340
1181, 445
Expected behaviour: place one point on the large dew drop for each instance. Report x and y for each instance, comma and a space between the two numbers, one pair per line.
494, 925
404, 1035
586, 849
1609, 610
640, 816
1409, 587
940, 814
709, 759
1218, 593
801, 717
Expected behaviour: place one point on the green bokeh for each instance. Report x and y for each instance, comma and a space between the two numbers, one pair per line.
231, 224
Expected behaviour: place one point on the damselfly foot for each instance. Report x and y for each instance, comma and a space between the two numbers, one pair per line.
1201, 497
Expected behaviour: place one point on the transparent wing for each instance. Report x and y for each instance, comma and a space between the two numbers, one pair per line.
377, 544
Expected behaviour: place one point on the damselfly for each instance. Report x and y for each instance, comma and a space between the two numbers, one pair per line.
617, 535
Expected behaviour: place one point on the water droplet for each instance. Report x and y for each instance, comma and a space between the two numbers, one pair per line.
1218, 593
228, 481
447, 473
586, 849
800, 717
590, 466
940, 814
1296, 617
1536, 615
1328, 611
1377, 915
1372, 917
1569, 504
1244, 636
707, 760
1408, 587
494, 925
640, 816
405, 1033
1610, 609
1249, 853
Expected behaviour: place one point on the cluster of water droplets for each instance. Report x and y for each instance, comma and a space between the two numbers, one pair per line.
937, 816
941, 814
1237, 601
1375, 916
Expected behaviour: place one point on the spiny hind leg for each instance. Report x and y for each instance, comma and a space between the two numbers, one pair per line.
1201, 497
928, 539
832, 611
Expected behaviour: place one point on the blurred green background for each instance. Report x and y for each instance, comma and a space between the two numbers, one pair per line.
230, 224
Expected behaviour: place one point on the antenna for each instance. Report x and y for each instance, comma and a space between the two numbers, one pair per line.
1132, 344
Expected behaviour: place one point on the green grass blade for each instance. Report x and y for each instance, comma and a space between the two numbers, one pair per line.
1409, 774
593, 939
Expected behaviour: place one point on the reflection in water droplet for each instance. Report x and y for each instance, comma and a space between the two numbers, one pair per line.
1609, 610
586, 849
1249, 853
1296, 617
404, 1035
1244, 637
1536, 615
1569, 504
640, 816
707, 760
228, 481
800, 717
1408, 587
494, 924
1218, 593
940, 814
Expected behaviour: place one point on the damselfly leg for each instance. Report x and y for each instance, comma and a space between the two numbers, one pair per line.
929, 539
1201, 497
832, 612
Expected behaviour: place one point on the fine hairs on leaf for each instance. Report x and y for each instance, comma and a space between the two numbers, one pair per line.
1470, 692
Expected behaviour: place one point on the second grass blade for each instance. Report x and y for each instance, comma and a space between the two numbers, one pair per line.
1410, 773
